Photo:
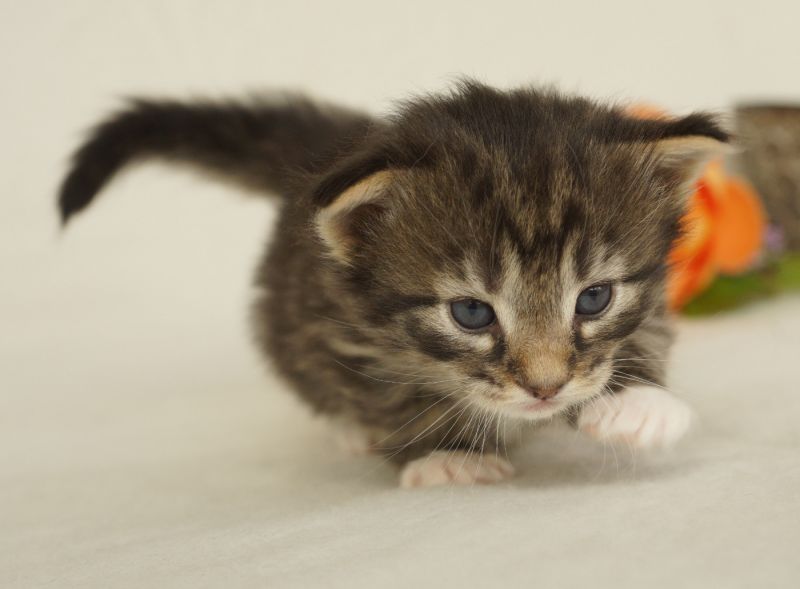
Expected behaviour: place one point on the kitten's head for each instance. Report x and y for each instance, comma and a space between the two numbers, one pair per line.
509, 243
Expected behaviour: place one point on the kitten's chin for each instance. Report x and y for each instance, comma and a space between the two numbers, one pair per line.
525, 409
533, 410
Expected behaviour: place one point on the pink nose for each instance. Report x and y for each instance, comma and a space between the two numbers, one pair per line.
542, 393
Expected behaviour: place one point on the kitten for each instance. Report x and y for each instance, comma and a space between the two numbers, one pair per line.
478, 257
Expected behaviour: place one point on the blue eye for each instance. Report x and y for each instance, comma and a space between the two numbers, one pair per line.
593, 300
472, 314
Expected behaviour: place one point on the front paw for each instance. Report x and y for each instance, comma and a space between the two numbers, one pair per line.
457, 467
643, 416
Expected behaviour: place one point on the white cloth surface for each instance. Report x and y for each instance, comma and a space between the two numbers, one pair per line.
142, 443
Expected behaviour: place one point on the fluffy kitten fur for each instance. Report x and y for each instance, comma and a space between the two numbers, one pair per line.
521, 199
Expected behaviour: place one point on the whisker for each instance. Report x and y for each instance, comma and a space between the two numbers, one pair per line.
466, 430
351, 369
447, 433
639, 379
425, 431
414, 418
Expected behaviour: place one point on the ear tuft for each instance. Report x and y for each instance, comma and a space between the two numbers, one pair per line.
345, 222
681, 160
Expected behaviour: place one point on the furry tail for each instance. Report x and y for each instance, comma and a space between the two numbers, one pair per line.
260, 144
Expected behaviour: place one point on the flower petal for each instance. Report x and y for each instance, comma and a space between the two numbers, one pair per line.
739, 228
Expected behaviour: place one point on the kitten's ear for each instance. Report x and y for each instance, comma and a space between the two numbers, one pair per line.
680, 161
354, 214
684, 146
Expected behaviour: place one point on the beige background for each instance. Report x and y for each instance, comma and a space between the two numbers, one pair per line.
143, 444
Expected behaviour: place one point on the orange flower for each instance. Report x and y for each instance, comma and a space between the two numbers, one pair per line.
724, 229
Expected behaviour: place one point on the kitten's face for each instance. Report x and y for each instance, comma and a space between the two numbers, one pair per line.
509, 277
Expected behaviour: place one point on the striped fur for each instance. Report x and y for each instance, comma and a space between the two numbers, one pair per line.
521, 199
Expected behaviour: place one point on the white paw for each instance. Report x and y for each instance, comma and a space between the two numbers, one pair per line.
353, 440
643, 416
460, 468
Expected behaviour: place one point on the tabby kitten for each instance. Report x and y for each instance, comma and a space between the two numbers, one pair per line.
478, 257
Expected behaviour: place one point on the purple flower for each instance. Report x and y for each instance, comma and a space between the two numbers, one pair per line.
774, 239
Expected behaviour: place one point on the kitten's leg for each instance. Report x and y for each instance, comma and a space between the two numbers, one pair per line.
644, 416
448, 444
457, 467
639, 410
436, 440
